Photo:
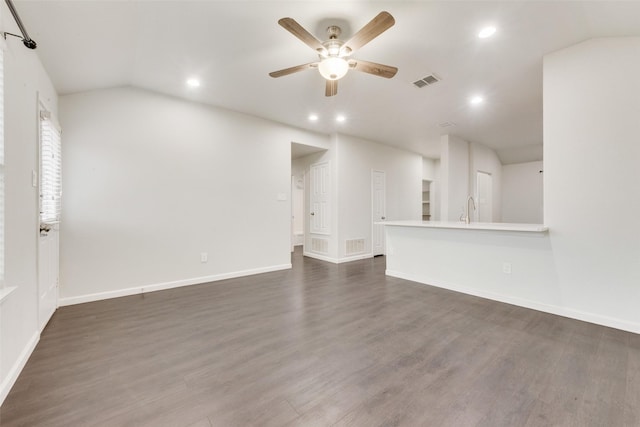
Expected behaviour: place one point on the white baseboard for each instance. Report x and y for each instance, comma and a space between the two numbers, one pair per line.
17, 367
167, 285
320, 257
354, 258
337, 260
534, 305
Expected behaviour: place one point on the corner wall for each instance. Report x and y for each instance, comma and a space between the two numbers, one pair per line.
356, 159
454, 177
151, 182
522, 193
591, 175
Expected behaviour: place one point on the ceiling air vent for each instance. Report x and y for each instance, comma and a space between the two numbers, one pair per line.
426, 81
446, 124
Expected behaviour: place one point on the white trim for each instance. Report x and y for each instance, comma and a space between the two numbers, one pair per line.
337, 260
354, 258
167, 285
478, 226
320, 257
17, 367
521, 302
6, 291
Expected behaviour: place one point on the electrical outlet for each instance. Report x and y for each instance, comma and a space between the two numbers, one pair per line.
204, 257
506, 267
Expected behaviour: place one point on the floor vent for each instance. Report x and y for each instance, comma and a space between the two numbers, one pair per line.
354, 246
319, 245
427, 81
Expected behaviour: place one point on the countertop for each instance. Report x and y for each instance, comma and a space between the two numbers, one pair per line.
495, 226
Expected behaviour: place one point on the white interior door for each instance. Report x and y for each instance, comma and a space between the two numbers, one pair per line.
484, 197
378, 206
50, 191
320, 198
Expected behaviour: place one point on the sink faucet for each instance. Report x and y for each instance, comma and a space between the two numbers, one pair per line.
466, 218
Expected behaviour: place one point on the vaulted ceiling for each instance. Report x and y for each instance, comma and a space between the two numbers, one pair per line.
231, 46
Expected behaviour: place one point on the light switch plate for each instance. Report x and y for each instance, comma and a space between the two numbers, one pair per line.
34, 179
282, 197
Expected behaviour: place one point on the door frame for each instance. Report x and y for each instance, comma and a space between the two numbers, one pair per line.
296, 200
384, 212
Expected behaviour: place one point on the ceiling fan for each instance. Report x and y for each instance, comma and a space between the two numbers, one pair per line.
334, 55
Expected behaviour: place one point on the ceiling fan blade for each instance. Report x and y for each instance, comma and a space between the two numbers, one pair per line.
380, 70
292, 70
331, 88
306, 37
378, 25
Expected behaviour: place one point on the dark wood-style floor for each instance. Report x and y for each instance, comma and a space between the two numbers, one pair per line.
323, 345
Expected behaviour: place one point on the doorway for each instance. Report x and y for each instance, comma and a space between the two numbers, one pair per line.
297, 211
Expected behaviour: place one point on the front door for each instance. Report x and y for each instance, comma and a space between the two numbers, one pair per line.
50, 190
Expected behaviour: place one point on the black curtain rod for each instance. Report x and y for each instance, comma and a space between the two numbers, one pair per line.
28, 41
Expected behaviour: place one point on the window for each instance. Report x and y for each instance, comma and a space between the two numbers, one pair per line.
50, 169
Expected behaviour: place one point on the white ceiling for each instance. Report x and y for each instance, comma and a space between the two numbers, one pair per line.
233, 45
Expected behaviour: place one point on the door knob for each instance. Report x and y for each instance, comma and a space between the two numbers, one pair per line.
384, 217
312, 213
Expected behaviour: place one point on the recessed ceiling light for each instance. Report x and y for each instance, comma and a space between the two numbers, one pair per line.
313, 117
193, 82
340, 118
476, 100
486, 32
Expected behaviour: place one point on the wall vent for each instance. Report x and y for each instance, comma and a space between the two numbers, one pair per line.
320, 246
427, 81
446, 124
354, 246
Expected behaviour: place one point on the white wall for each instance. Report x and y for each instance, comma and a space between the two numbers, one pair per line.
591, 174
25, 81
454, 177
460, 162
522, 193
436, 191
429, 169
484, 159
356, 158
152, 181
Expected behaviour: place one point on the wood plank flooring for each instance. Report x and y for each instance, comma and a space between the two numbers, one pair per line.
323, 345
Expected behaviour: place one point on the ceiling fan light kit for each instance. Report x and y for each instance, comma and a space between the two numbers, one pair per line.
333, 68
334, 62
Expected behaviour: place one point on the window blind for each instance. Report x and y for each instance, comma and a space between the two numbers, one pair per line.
50, 170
